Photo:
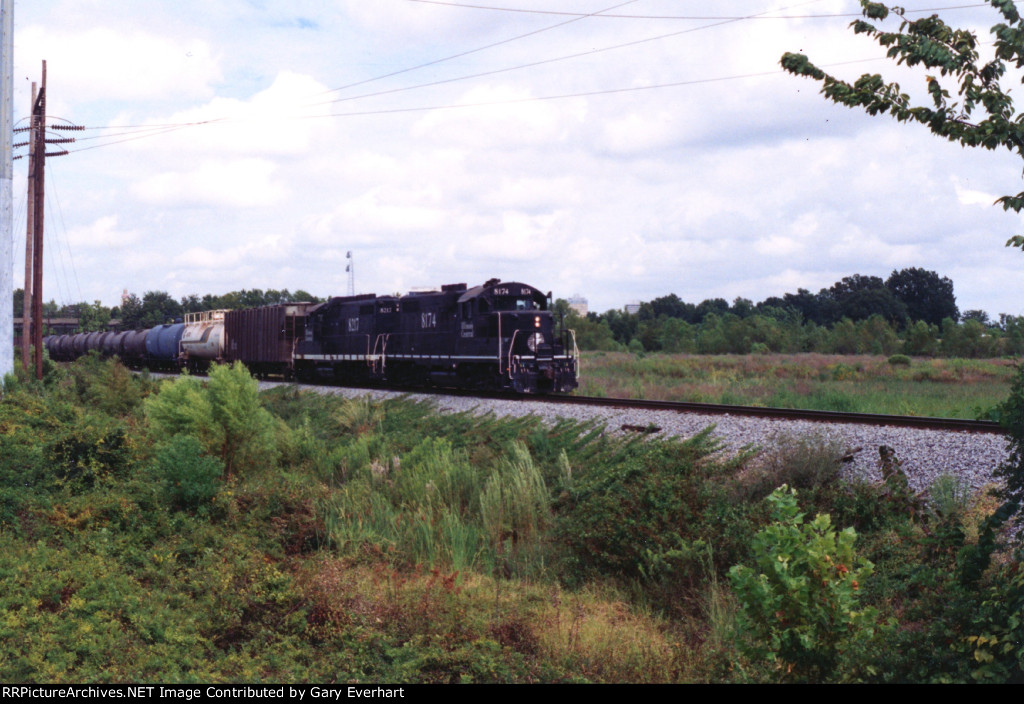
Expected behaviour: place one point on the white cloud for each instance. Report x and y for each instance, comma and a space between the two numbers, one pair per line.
967, 196
103, 233
500, 117
753, 186
101, 63
240, 183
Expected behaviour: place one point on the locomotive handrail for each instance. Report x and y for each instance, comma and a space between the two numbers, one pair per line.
500, 370
575, 353
511, 346
382, 340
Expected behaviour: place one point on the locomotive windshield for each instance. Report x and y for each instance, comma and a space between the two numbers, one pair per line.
516, 297
515, 303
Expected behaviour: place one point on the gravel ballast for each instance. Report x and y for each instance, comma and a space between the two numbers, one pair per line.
924, 455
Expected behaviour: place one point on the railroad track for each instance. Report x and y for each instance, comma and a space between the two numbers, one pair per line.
924, 422
881, 419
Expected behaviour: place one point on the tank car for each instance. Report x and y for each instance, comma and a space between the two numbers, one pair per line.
202, 340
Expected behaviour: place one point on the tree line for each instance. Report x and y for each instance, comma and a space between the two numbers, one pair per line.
912, 312
159, 307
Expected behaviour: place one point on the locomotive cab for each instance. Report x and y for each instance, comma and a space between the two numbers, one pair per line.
513, 323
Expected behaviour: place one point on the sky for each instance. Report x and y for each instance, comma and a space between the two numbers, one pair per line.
616, 150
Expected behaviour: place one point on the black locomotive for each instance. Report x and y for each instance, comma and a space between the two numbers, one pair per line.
501, 335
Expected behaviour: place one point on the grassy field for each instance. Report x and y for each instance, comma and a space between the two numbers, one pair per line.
954, 388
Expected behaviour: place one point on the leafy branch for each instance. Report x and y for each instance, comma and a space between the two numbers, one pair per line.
978, 113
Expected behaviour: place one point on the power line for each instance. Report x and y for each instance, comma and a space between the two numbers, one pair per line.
67, 244
513, 101
134, 132
765, 16
142, 131
142, 134
479, 49
552, 60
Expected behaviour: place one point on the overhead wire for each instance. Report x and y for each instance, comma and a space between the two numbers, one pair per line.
567, 57
145, 130
585, 94
67, 243
481, 48
134, 132
531, 11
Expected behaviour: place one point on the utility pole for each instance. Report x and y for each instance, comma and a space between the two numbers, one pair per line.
26, 308
6, 190
34, 228
38, 169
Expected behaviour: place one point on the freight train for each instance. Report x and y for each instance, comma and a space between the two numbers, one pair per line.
498, 336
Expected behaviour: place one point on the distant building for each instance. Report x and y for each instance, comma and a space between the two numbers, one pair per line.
633, 307
579, 304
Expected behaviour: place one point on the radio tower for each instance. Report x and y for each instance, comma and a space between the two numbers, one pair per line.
351, 269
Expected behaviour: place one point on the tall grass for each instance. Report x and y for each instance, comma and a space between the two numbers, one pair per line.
432, 507
956, 388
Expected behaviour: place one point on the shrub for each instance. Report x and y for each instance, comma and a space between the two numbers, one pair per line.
995, 645
800, 608
247, 428
1011, 417
106, 385
645, 511
189, 478
225, 415
88, 449
899, 360
182, 407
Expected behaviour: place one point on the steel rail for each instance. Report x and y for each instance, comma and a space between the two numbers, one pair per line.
924, 422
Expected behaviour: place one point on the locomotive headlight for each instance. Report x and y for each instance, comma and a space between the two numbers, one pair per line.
536, 321
534, 341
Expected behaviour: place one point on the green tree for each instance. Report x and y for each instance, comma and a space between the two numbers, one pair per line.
921, 340
247, 429
92, 317
130, 312
225, 415
953, 67
977, 314
927, 296
591, 334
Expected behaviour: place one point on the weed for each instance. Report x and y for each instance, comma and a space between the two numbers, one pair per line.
807, 462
